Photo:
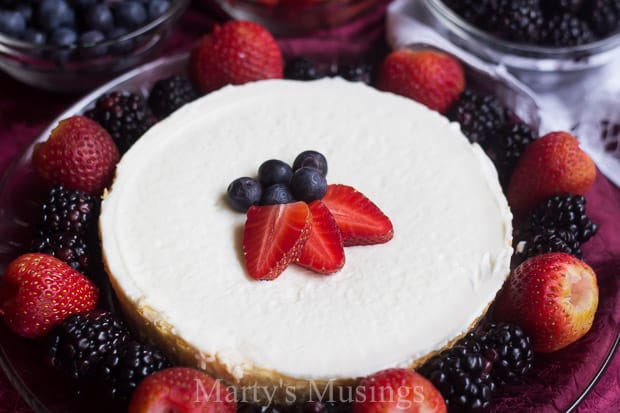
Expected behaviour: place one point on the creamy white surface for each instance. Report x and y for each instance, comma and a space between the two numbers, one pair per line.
174, 245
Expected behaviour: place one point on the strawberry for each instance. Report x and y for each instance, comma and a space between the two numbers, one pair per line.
182, 389
273, 237
235, 53
79, 154
360, 221
323, 252
39, 291
432, 78
551, 165
553, 297
397, 390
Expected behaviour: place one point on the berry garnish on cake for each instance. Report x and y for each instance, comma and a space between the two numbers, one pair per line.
273, 237
294, 216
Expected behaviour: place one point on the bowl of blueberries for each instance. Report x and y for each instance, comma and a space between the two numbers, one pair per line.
545, 42
75, 45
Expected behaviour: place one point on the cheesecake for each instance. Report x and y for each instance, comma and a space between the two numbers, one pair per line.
172, 246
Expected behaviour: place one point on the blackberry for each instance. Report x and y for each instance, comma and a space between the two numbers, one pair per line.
301, 68
555, 7
565, 212
170, 94
68, 210
356, 72
124, 115
508, 146
509, 349
463, 376
603, 16
69, 247
474, 11
480, 116
553, 240
518, 20
567, 30
124, 368
79, 344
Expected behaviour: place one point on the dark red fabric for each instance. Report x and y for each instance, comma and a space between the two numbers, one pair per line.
25, 112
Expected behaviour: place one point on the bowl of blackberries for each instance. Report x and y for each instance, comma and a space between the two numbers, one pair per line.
75, 45
553, 36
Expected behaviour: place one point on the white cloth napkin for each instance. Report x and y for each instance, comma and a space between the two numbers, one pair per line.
581, 105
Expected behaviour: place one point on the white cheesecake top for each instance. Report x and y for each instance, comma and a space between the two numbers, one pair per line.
173, 244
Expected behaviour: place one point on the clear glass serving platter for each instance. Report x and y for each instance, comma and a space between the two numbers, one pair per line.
20, 196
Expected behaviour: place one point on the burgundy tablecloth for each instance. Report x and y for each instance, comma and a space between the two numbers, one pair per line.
25, 112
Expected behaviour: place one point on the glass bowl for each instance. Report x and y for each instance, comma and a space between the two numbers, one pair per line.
541, 67
295, 17
78, 68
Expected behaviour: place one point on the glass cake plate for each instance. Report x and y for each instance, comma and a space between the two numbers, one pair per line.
46, 391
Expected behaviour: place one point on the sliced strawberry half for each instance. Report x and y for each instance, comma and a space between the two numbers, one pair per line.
360, 221
273, 237
324, 251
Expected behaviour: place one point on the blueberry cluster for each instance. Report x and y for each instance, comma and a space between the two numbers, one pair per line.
559, 23
98, 346
279, 183
559, 224
470, 373
67, 226
304, 68
76, 22
486, 121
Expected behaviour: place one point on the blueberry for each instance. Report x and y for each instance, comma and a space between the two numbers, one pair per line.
63, 36
308, 184
311, 159
12, 23
54, 13
130, 14
34, 36
243, 193
90, 40
83, 4
157, 8
99, 17
274, 171
277, 194
25, 10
